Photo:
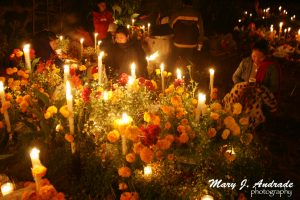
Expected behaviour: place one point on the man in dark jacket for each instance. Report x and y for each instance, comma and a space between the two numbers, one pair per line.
125, 52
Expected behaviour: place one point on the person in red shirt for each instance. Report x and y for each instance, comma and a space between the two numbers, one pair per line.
102, 19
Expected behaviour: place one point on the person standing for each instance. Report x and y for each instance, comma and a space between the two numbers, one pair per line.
101, 19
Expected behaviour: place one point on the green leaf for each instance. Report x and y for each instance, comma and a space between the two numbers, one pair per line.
134, 15
41, 96
35, 62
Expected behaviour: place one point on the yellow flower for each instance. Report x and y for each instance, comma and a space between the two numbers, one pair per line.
165, 74
194, 101
170, 89
157, 71
169, 74
47, 115
237, 108
179, 90
146, 155
64, 111
244, 121
39, 171
147, 117
82, 68
130, 157
216, 107
225, 134
214, 116
124, 172
113, 136
52, 110
211, 132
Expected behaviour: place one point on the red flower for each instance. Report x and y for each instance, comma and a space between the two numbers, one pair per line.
76, 81
149, 85
73, 71
98, 95
150, 134
94, 70
123, 79
178, 82
32, 54
40, 67
86, 92
142, 80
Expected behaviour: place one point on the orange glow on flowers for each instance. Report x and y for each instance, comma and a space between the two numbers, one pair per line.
181, 129
168, 125
165, 109
163, 144
216, 107
146, 155
214, 116
184, 121
170, 137
183, 138
159, 155
113, 136
123, 186
137, 147
244, 121
133, 133
211, 132
225, 134
5, 106
176, 100
11, 71
129, 196
237, 108
124, 172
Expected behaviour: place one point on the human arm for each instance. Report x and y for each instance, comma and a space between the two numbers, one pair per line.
237, 75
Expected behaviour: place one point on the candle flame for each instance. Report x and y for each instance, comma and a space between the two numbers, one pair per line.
147, 170
61, 38
125, 119
152, 57
179, 75
81, 40
212, 71
99, 42
1, 86
105, 95
280, 24
26, 48
96, 34
7, 188
207, 197
66, 69
35, 153
201, 98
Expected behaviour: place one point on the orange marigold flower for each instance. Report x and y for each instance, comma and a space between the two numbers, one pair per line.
155, 119
129, 196
195, 102
146, 155
184, 138
124, 172
10, 71
123, 186
170, 157
113, 136
159, 155
47, 115
211, 132
168, 125
229, 121
1, 124
214, 116
69, 138
170, 89
130, 157
137, 147
176, 100
163, 144
216, 107
170, 137
237, 108
133, 133
184, 121
181, 129
179, 90
225, 134
64, 111
236, 130
244, 121
165, 109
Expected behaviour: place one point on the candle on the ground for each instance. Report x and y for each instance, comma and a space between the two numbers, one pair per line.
147, 170
179, 75
207, 197
128, 26
69, 98
95, 37
5, 113
81, 47
61, 38
162, 68
7, 188
100, 67
98, 46
133, 69
279, 8
105, 95
66, 73
211, 81
123, 123
200, 106
35, 157
26, 50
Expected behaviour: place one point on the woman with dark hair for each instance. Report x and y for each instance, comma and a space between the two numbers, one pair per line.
124, 52
258, 68
44, 44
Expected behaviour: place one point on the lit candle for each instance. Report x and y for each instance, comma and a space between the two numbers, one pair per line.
35, 157
149, 28
99, 46
100, 67
81, 47
61, 38
26, 50
5, 113
298, 36
128, 26
179, 75
66, 73
7, 188
279, 8
147, 170
123, 123
207, 197
105, 95
246, 12
132, 22
200, 106
285, 31
143, 28
211, 81
162, 68
95, 35
69, 98
133, 68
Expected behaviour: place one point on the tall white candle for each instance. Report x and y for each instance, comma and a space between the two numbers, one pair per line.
105, 95
5, 113
280, 29
69, 98
211, 81
95, 38
66, 73
162, 68
35, 157
132, 22
123, 123
179, 75
200, 106
149, 28
26, 50
61, 38
100, 67
81, 47
7, 188
133, 69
